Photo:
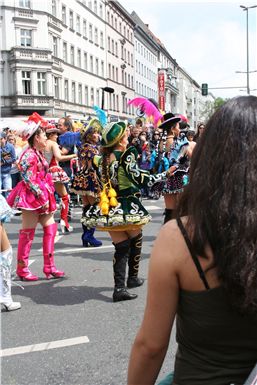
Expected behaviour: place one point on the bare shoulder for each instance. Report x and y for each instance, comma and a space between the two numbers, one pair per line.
170, 244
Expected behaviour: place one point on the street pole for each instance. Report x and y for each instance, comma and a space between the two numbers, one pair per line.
247, 54
244, 8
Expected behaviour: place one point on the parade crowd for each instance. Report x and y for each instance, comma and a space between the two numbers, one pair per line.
200, 270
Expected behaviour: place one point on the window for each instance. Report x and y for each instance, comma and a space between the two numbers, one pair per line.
115, 23
80, 93
113, 73
91, 64
112, 20
95, 6
26, 82
97, 98
116, 49
120, 26
101, 39
73, 92
65, 55
26, 37
55, 49
86, 95
79, 58
84, 28
63, 14
97, 66
101, 10
78, 24
108, 17
24, 3
71, 20
56, 87
92, 96
85, 61
90, 4
128, 80
96, 36
109, 44
41, 83
54, 8
102, 68
113, 96
112, 46
72, 55
117, 102
117, 77
90, 32
66, 90
109, 70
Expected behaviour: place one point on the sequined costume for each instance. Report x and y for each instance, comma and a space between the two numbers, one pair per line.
127, 179
36, 190
87, 180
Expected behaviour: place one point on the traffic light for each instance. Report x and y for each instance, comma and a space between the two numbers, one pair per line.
204, 89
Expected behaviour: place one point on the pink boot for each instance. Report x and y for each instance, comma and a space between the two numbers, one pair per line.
25, 241
48, 252
65, 226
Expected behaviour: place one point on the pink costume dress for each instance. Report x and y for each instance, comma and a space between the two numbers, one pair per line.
36, 189
58, 174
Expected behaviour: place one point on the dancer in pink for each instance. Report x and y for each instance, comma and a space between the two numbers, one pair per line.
34, 195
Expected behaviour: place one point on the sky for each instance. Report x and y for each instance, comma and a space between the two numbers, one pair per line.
207, 39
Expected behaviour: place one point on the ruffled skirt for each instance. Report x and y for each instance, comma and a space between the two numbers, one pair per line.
128, 215
21, 197
58, 175
86, 183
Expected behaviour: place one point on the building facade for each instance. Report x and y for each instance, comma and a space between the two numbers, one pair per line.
62, 57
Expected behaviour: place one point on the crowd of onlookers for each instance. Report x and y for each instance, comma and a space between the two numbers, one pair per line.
143, 136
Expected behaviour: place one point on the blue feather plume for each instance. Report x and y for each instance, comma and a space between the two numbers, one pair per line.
70, 139
101, 115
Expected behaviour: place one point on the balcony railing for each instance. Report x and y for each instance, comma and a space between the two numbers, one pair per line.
35, 102
31, 54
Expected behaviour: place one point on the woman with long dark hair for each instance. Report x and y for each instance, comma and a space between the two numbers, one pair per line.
203, 267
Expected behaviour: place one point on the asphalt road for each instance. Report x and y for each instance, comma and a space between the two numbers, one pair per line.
68, 331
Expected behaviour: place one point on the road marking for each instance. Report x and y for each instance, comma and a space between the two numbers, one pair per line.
44, 346
82, 249
31, 261
152, 208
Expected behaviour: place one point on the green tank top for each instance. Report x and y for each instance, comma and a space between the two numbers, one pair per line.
216, 344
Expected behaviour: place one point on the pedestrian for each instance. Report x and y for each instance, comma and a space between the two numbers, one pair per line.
34, 195
6, 260
15, 173
86, 182
7, 158
203, 267
53, 155
120, 211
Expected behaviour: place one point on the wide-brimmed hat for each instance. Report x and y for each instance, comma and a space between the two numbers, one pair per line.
112, 133
169, 120
91, 126
25, 129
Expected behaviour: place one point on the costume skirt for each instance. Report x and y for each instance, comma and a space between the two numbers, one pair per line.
130, 214
86, 183
21, 197
58, 174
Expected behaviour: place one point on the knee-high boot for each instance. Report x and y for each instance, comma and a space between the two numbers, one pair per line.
5, 281
168, 215
24, 245
119, 270
65, 226
48, 252
133, 261
88, 233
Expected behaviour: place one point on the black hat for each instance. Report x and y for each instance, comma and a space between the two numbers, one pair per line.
169, 120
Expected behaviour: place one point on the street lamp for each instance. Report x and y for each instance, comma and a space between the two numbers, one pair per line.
247, 46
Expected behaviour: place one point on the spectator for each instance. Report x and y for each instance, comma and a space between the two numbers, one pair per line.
15, 173
203, 268
7, 158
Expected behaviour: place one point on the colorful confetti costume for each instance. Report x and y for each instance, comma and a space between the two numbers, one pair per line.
36, 190
87, 180
127, 179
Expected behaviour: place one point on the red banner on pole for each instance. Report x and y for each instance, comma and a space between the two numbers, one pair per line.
161, 90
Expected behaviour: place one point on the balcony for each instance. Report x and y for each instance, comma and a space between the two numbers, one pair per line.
32, 102
54, 23
31, 54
